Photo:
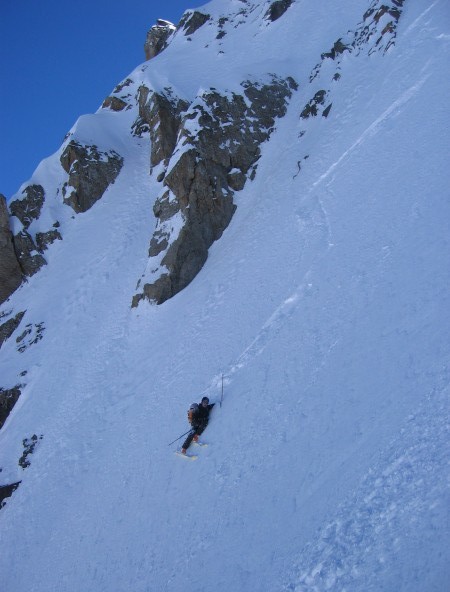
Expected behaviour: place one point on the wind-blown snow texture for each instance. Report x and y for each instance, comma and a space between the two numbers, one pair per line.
325, 304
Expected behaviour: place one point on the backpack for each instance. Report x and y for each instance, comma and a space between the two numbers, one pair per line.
192, 411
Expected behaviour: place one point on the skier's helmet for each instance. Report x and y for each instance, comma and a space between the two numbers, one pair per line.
205, 400
193, 407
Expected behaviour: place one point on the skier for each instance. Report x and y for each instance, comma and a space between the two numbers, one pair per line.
198, 416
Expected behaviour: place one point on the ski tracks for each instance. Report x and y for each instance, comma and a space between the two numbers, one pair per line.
398, 498
375, 126
98, 301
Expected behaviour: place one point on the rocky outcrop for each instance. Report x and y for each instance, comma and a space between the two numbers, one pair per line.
218, 145
10, 270
316, 105
164, 118
31, 335
193, 20
376, 33
277, 9
160, 115
29, 207
338, 49
120, 98
379, 27
44, 239
141, 126
114, 103
8, 398
29, 445
90, 172
7, 491
8, 327
27, 254
157, 38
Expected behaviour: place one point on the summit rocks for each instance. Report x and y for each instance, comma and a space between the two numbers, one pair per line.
157, 38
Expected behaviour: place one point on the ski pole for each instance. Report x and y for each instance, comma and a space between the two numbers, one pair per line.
179, 438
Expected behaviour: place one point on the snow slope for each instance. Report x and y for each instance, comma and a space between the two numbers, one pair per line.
326, 306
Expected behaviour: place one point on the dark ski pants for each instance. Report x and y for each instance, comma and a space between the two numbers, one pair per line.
196, 430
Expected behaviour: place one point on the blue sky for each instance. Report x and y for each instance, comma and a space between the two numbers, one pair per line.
59, 60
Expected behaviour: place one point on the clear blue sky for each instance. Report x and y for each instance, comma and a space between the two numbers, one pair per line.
59, 60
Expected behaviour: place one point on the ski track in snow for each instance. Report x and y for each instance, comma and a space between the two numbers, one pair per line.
374, 127
285, 310
420, 18
83, 301
404, 489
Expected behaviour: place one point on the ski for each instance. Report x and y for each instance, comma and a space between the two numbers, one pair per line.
186, 456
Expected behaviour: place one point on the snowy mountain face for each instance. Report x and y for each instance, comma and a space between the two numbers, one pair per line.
257, 213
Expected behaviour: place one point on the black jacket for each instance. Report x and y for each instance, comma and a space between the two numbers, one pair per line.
201, 417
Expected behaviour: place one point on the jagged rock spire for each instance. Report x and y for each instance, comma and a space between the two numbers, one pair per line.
157, 38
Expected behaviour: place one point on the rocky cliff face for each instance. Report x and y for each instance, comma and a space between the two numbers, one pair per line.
28, 209
218, 140
202, 151
90, 172
277, 9
160, 116
10, 271
157, 38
